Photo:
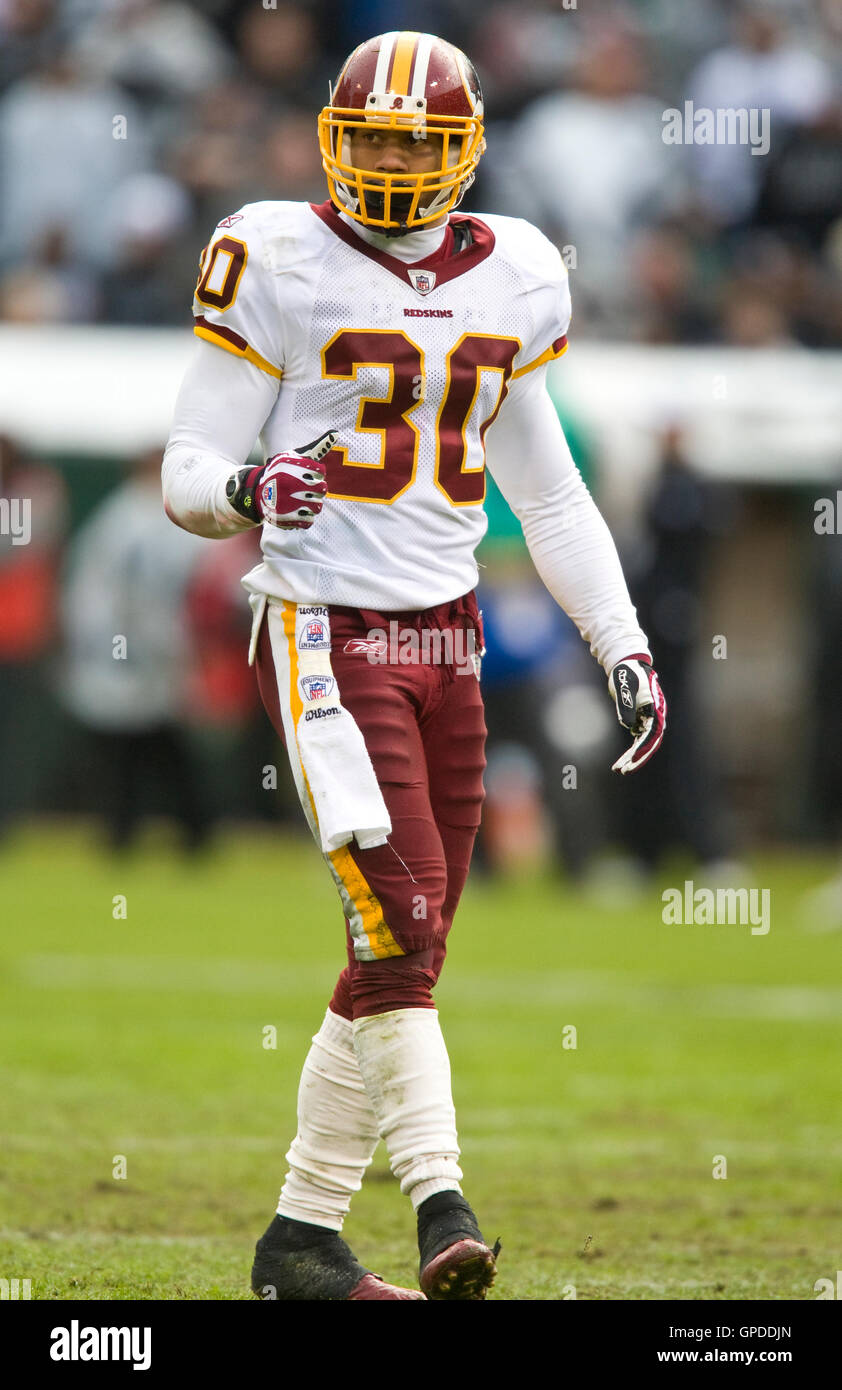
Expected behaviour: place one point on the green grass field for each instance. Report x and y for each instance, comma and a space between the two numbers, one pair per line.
143, 1037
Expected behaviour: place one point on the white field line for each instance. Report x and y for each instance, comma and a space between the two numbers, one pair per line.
602, 987
530, 989
110, 1237
186, 974
133, 1144
481, 1129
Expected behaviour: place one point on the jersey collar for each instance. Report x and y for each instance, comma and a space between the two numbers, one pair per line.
447, 265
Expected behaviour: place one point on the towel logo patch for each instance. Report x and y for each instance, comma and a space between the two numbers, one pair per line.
323, 712
314, 637
316, 687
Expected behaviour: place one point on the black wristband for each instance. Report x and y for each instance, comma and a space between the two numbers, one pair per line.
240, 490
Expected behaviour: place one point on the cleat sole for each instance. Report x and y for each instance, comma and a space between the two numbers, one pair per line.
465, 1270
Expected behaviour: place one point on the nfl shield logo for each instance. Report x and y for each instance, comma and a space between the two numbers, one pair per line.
312, 629
422, 280
316, 687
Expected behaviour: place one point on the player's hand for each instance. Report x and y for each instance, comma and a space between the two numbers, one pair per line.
641, 708
287, 490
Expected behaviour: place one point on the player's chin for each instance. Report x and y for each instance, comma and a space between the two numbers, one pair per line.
399, 210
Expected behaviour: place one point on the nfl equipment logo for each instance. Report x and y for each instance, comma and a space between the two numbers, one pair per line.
423, 280
316, 687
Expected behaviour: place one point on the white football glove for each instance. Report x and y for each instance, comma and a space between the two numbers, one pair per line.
641, 708
287, 490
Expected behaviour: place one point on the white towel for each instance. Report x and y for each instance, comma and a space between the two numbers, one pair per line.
331, 750
257, 604
342, 781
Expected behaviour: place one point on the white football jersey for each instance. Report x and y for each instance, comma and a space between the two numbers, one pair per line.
408, 363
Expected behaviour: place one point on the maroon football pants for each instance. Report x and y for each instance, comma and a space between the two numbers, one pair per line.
423, 726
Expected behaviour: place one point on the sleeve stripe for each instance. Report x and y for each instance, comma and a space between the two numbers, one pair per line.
232, 342
556, 349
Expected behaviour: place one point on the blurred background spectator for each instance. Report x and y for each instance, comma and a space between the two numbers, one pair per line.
680, 805
128, 128
126, 659
765, 66
35, 519
601, 119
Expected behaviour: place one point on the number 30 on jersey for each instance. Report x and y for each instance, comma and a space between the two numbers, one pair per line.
390, 416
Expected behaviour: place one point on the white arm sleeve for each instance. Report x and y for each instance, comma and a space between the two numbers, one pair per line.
570, 544
221, 408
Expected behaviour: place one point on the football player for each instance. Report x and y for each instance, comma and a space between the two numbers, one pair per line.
386, 348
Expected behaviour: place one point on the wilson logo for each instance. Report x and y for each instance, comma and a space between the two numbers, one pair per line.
320, 713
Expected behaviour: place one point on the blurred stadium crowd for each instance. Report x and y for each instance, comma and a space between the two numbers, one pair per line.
128, 128
688, 244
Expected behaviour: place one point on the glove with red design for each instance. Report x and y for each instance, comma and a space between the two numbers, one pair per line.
287, 490
641, 708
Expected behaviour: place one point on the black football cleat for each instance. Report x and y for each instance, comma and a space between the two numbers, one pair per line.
296, 1262
456, 1263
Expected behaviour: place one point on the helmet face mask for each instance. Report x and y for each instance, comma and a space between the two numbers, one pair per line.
412, 85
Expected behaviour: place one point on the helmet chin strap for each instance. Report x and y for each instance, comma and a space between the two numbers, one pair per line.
402, 230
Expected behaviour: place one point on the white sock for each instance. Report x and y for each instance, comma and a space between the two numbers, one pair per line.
406, 1070
337, 1131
